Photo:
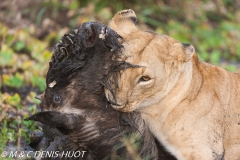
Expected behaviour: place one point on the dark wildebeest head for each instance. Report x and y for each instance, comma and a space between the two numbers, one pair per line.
74, 106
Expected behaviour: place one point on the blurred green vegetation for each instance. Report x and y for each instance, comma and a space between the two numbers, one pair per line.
211, 26
29, 30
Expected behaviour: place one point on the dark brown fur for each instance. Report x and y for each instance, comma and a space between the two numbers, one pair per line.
79, 66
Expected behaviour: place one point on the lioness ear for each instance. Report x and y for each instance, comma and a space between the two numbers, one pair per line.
182, 52
189, 51
179, 53
124, 22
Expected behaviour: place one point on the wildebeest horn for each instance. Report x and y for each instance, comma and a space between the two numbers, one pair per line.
55, 119
39, 97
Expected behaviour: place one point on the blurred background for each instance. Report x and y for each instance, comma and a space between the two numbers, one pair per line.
29, 29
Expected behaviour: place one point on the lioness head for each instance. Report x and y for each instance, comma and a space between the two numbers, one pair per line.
159, 62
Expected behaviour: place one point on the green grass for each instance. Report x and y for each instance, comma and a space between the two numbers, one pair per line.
23, 70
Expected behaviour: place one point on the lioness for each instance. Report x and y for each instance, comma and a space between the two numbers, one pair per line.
192, 107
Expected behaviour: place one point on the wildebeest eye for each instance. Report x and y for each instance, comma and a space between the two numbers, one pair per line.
57, 98
144, 79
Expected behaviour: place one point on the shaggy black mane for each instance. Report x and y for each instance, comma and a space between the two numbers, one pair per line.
69, 55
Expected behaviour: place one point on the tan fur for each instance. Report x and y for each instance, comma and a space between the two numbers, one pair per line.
192, 107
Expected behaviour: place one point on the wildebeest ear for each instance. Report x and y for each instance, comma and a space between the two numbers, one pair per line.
55, 119
124, 22
182, 52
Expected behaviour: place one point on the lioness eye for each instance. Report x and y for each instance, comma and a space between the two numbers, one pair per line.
144, 78
57, 98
